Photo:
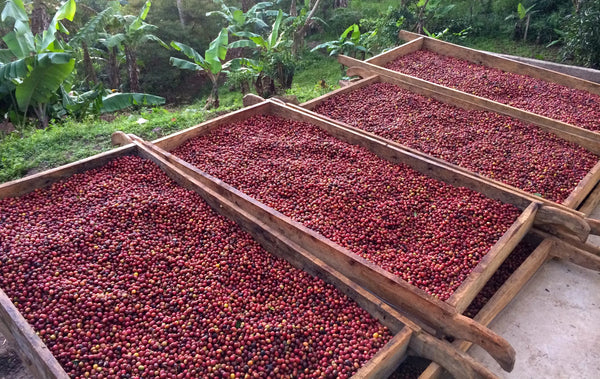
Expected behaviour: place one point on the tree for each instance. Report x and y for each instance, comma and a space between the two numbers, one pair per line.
273, 61
134, 34
523, 15
34, 66
582, 37
212, 62
300, 32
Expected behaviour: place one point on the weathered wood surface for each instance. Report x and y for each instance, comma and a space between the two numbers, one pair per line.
501, 299
33, 352
243, 209
477, 279
387, 360
586, 138
490, 60
405, 49
30, 183
421, 307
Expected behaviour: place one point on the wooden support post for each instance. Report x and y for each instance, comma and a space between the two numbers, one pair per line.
421, 307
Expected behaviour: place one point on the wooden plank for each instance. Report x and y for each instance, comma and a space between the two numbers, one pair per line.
312, 104
173, 140
439, 169
387, 360
586, 138
591, 202
584, 187
460, 366
574, 255
30, 183
405, 49
509, 65
421, 306
34, 354
477, 279
500, 299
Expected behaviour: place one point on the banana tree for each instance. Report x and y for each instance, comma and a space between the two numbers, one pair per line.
238, 20
33, 67
212, 63
273, 54
135, 33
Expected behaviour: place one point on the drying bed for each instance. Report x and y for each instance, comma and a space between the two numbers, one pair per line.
490, 144
124, 273
424, 231
570, 105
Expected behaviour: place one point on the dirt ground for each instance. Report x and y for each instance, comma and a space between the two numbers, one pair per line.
10, 364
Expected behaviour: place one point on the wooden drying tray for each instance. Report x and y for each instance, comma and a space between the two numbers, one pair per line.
388, 286
419, 42
552, 247
493, 188
481, 274
281, 239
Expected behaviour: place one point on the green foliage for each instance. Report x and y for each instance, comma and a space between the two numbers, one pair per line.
349, 43
582, 38
34, 66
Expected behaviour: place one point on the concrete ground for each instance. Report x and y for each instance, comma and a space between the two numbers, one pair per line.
553, 324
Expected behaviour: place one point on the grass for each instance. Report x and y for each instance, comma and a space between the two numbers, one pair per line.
32, 150
512, 47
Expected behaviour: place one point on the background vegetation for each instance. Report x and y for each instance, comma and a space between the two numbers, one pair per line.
67, 67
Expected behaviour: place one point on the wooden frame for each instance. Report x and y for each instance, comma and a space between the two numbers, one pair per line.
413, 337
348, 273
521, 198
172, 142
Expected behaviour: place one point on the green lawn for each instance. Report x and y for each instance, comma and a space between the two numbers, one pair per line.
31, 150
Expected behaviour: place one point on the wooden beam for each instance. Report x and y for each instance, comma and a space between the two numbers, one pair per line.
405, 49
422, 307
33, 352
387, 360
586, 138
500, 299
477, 279
463, 366
30, 183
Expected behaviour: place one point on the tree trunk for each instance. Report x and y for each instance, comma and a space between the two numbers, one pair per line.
293, 9
113, 68
40, 20
132, 69
421, 18
213, 99
526, 27
246, 5
42, 115
90, 73
180, 12
340, 4
299, 34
